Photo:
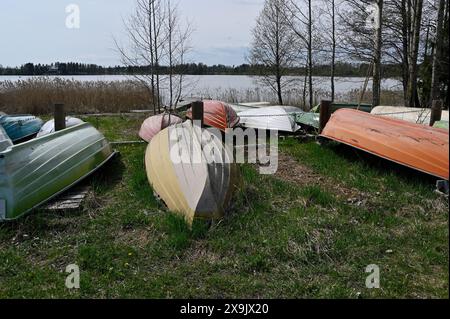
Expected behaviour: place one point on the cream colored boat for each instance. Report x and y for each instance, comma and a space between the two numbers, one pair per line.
409, 114
185, 176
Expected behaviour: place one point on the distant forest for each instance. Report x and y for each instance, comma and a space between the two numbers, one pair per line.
73, 68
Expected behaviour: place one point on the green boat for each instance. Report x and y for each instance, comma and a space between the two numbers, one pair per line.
34, 172
441, 124
308, 119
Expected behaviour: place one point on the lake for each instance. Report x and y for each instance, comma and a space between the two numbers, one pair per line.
238, 88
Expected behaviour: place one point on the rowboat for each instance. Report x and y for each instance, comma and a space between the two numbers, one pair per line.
274, 118
409, 114
441, 124
33, 172
217, 114
49, 127
420, 147
155, 124
182, 174
241, 107
20, 127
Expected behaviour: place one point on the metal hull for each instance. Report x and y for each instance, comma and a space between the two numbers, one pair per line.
36, 171
274, 118
19, 127
193, 187
420, 147
218, 114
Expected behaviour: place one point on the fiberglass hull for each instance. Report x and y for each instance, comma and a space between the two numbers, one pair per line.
420, 147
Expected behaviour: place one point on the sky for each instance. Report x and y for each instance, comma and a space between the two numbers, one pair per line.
36, 31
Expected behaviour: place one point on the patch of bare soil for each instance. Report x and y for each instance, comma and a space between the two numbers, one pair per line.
290, 170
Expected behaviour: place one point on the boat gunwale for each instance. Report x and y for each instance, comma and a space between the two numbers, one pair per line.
45, 137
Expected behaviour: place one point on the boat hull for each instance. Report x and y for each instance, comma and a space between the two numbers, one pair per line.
218, 114
273, 118
191, 187
49, 127
409, 114
19, 127
38, 170
420, 147
155, 124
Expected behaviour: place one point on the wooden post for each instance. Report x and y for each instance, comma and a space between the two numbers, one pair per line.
198, 112
436, 112
60, 117
325, 114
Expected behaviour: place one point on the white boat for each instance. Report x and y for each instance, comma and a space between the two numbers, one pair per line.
274, 118
49, 127
409, 114
241, 107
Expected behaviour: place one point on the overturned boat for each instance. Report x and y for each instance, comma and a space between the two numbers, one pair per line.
218, 114
185, 176
33, 172
49, 127
20, 127
155, 124
420, 147
273, 118
409, 114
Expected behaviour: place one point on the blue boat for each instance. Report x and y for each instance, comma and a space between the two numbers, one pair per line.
20, 127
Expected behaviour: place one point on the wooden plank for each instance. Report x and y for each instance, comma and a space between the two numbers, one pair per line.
70, 200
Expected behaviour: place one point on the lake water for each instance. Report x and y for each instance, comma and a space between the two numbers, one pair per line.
238, 88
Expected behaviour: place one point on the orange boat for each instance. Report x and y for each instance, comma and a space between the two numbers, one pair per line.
218, 114
420, 147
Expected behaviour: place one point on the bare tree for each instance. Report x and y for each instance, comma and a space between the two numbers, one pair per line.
274, 46
438, 50
362, 40
415, 9
157, 38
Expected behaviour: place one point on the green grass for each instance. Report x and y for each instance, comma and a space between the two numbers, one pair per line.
302, 240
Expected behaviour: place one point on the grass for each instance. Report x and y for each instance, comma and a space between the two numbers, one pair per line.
281, 239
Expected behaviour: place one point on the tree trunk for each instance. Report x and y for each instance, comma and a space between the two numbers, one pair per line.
155, 35
333, 54
280, 96
405, 46
435, 91
310, 64
416, 19
152, 62
377, 55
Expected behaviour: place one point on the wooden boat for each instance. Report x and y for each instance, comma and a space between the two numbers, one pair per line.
217, 114
49, 127
33, 172
21, 127
420, 147
193, 187
155, 124
276, 118
409, 114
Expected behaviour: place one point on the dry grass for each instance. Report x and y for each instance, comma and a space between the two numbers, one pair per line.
38, 95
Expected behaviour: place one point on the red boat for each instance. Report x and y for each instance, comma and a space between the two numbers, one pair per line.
420, 147
155, 124
218, 114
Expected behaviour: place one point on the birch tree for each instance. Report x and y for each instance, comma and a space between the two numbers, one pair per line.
274, 47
